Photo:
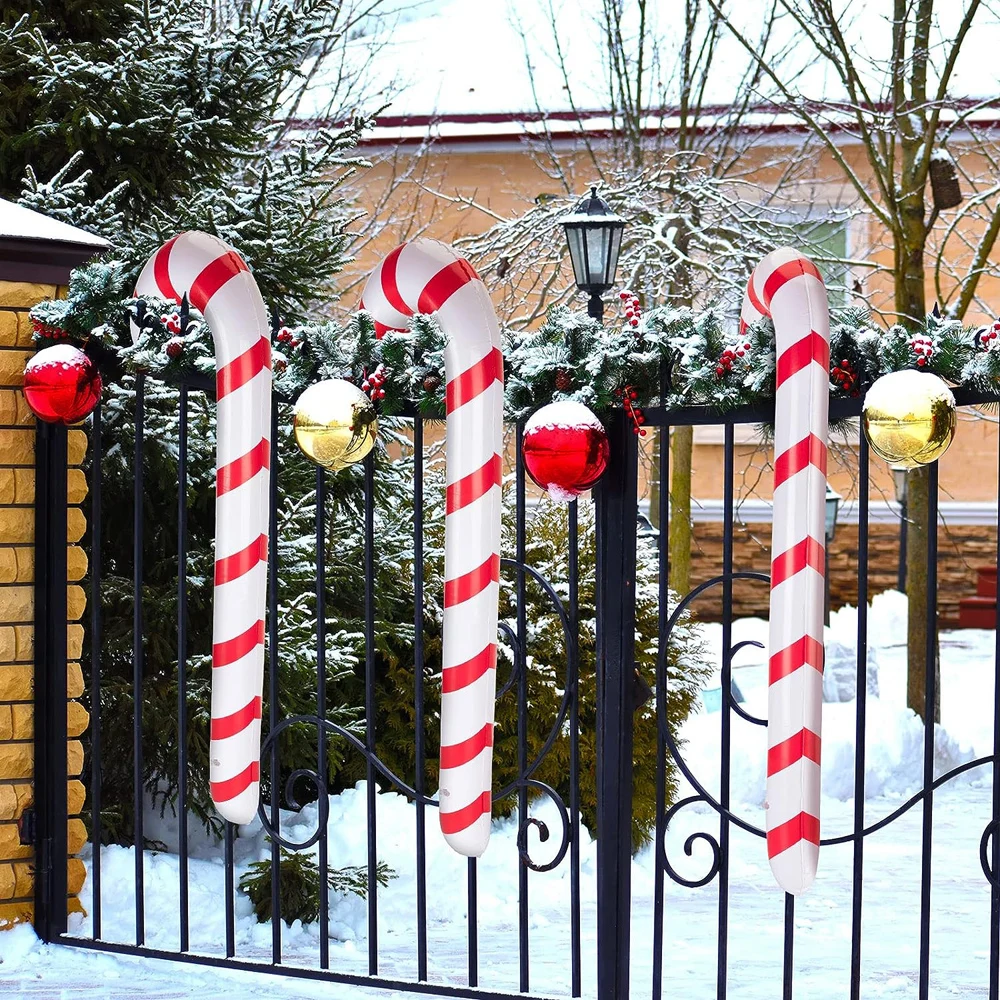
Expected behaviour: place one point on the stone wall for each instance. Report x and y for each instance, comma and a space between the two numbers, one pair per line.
17, 574
962, 549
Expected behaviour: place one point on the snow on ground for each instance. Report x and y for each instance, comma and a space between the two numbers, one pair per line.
960, 922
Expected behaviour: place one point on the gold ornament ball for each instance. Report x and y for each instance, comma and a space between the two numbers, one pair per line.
335, 423
909, 418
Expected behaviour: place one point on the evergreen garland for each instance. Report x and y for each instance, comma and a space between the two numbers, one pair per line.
675, 357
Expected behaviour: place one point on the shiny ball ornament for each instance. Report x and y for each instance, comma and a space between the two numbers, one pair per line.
61, 384
909, 418
565, 449
335, 424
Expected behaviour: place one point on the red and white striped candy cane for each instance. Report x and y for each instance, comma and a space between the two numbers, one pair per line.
786, 286
425, 276
218, 284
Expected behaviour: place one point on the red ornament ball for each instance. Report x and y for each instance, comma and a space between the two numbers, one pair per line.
61, 384
565, 449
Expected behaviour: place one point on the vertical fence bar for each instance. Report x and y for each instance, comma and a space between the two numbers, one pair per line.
663, 613
472, 883
321, 767
616, 498
273, 706
182, 832
726, 719
861, 704
788, 967
96, 452
522, 710
370, 710
576, 976
418, 690
137, 657
50, 679
995, 842
230, 891
930, 664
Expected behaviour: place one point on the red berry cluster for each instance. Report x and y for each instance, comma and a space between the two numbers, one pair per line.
172, 323
285, 336
988, 336
635, 414
41, 329
729, 356
633, 312
845, 377
922, 347
372, 384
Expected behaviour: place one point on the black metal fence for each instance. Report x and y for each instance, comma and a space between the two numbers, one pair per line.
596, 954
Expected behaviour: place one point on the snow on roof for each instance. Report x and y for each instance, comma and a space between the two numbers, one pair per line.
19, 223
467, 64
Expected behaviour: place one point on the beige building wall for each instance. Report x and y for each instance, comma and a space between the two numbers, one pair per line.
17, 576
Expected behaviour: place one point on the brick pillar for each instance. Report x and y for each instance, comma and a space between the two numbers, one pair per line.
17, 494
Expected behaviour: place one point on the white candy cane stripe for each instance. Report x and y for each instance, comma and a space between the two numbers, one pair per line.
218, 284
786, 286
428, 277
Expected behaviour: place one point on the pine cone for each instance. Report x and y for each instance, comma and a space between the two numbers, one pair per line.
564, 381
432, 383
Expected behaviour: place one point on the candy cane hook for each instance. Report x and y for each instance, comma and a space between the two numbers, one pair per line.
217, 282
787, 286
425, 276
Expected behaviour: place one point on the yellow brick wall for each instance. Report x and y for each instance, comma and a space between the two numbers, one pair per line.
17, 575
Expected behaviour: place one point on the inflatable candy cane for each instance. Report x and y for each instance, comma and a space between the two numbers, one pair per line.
786, 286
425, 276
218, 284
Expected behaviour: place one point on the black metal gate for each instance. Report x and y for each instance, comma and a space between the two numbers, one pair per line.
599, 958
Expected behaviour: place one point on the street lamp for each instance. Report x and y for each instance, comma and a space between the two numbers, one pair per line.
899, 484
594, 234
830, 518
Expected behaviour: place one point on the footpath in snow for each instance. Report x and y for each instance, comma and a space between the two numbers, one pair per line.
894, 749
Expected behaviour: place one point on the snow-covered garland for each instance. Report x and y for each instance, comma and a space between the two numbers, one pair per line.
695, 356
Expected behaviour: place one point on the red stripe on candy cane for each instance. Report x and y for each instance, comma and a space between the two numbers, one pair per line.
444, 284
784, 273
474, 381
389, 287
230, 650
808, 552
230, 568
161, 271
805, 743
809, 451
213, 277
801, 653
230, 725
461, 753
793, 831
464, 588
461, 819
799, 355
755, 301
244, 468
461, 676
476, 484
240, 370
223, 791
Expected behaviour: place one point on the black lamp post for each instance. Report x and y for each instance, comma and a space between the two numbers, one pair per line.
899, 484
594, 234
830, 518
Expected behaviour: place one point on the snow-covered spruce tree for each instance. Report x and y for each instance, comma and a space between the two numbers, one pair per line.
210, 82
